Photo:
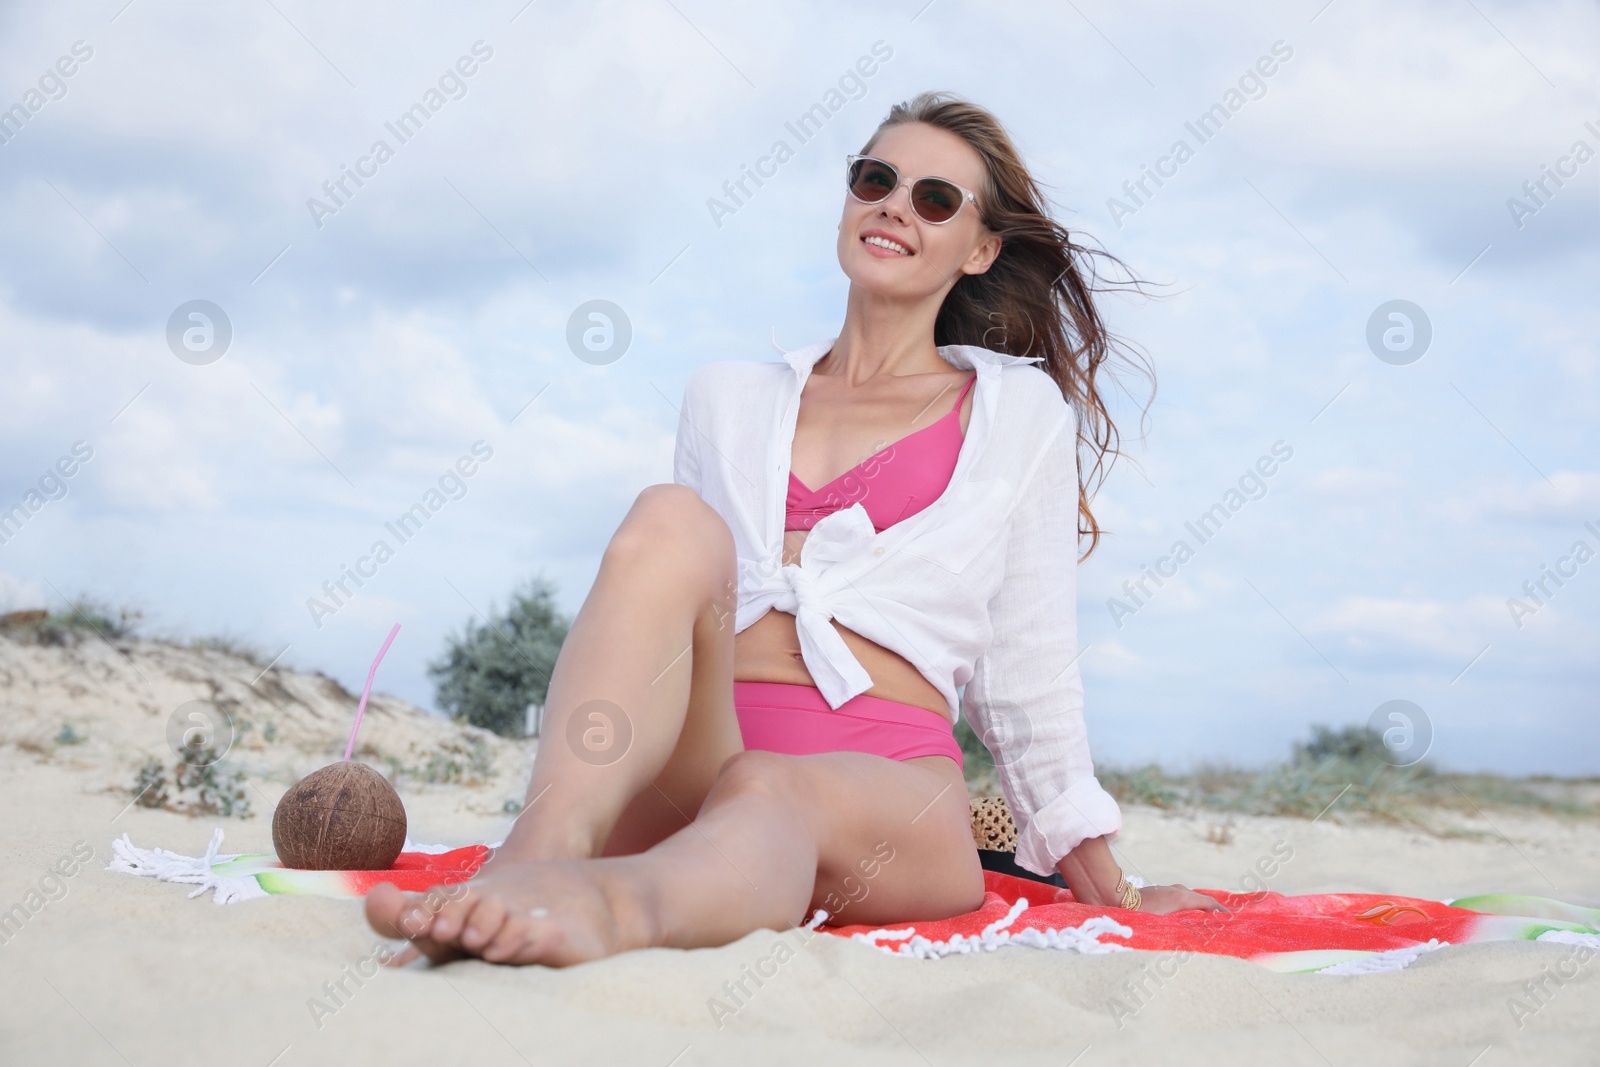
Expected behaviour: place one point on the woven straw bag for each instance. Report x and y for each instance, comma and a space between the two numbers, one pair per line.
992, 827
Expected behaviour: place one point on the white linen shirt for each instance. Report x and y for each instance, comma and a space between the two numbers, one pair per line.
977, 590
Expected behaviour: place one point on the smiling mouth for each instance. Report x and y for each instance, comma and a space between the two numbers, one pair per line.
887, 245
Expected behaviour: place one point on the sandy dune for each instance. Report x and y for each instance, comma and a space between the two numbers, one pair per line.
118, 969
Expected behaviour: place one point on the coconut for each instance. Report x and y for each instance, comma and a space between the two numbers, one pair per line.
344, 817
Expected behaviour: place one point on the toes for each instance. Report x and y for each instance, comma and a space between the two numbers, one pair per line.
403, 957
453, 917
483, 924
508, 943
495, 918
394, 914
436, 951
544, 940
385, 906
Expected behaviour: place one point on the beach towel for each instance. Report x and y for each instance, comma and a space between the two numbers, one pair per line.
1324, 933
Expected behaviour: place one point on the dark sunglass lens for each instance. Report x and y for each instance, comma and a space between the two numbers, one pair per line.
935, 200
872, 181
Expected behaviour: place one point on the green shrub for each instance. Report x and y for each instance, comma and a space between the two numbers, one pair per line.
204, 787
218, 789
150, 785
1360, 746
491, 673
454, 763
84, 617
1142, 785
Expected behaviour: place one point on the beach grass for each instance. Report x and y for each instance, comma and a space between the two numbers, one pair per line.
1341, 771
1336, 772
82, 618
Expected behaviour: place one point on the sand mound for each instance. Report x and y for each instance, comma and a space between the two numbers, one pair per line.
104, 706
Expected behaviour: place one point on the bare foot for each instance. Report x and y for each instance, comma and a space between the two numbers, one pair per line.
557, 913
389, 912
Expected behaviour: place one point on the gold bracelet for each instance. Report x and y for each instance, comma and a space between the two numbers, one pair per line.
1131, 897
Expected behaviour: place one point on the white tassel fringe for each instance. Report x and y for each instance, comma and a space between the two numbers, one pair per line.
1395, 959
1084, 938
1570, 937
166, 866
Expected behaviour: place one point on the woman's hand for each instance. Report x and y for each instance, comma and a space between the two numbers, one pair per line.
1165, 899
1092, 875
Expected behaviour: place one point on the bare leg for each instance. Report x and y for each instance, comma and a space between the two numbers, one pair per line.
647, 672
862, 836
650, 655
875, 839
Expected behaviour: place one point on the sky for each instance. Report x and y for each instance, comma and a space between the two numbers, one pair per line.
396, 317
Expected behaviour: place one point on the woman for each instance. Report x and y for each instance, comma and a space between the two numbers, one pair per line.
751, 715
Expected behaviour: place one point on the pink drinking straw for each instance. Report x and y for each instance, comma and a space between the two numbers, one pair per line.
362, 707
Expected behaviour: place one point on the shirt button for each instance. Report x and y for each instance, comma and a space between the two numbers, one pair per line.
878, 551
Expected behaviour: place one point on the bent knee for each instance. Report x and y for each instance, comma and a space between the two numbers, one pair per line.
670, 517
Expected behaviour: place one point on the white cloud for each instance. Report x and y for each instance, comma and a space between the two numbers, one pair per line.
1111, 657
1568, 495
1431, 627
1352, 483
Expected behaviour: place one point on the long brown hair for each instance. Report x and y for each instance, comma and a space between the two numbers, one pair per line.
1036, 299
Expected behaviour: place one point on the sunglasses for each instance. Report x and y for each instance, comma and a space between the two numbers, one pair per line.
935, 200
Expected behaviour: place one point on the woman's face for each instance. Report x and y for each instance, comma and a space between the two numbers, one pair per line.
934, 257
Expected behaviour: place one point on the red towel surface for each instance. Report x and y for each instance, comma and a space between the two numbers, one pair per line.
1257, 924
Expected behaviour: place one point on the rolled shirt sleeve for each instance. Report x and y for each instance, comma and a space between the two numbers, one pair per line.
1025, 697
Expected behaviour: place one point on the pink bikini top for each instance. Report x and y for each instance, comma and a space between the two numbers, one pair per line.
893, 484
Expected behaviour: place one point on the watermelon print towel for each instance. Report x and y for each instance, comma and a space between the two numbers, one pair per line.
1328, 933
235, 878
1325, 933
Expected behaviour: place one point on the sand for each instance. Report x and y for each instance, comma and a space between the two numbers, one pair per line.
126, 970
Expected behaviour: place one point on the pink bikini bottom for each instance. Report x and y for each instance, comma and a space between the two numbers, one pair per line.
798, 721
